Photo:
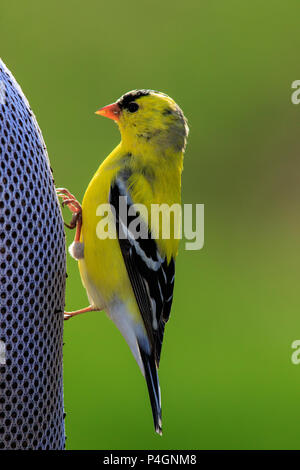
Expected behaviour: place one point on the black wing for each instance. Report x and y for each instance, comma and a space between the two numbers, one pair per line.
151, 276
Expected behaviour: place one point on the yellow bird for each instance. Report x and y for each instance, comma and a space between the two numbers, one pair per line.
130, 277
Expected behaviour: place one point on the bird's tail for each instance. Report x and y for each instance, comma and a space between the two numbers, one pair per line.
151, 377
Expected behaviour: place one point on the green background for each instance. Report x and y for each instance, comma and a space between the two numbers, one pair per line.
226, 373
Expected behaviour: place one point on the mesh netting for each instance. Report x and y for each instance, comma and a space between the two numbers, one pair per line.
32, 282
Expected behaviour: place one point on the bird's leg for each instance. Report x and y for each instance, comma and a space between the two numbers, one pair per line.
68, 315
69, 200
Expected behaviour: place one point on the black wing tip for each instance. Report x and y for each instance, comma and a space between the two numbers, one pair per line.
157, 419
151, 377
158, 430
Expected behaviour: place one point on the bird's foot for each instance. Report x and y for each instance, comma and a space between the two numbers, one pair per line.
68, 315
69, 200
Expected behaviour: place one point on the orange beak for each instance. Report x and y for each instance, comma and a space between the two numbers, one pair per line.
112, 111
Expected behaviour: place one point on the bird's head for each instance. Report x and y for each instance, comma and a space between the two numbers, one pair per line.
147, 116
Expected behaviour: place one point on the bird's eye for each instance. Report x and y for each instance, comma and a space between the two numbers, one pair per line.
132, 107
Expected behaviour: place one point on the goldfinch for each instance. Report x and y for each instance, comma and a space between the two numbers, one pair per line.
132, 279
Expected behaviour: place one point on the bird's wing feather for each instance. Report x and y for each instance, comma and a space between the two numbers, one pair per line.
150, 274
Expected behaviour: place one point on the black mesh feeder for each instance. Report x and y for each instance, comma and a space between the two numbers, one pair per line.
32, 281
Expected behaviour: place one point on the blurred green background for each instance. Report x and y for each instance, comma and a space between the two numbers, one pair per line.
226, 373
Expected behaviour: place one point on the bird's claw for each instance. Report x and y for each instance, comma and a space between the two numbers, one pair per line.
71, 202
74, 221
67, 316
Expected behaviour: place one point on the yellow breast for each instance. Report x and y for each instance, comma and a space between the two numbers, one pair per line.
103, 266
